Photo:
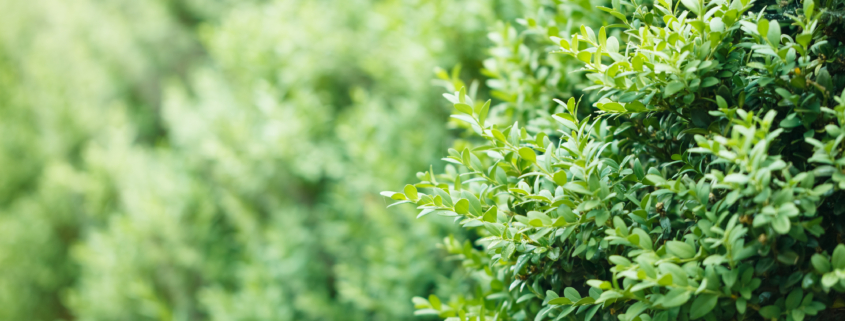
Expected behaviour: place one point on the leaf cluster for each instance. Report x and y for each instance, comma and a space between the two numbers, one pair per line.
705, 184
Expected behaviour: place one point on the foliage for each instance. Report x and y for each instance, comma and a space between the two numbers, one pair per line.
215, 160
707, 183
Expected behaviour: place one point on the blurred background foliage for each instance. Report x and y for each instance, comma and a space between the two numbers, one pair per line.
219, 160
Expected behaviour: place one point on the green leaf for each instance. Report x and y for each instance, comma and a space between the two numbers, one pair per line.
447, 200
475, 163
770, 311
673, 87
692, 5
820, 263
716, 25
560, 301
665, 280
474, 203
572, 294
838, 259
680, 249
676, 297
612, 107
741, 305
702, 305
494, 228
588, 34
585, 56
560, 178
482, 115
791, 120
654, 179
527, 154
736, 178
543, 218
804, 39
462, 206
577, 188
602, 37
464, 108
508, 251
794, 298
781, 224
499, 136
798, 315
394, 195
721, 102
490, 215
773, 33
829, 279
591, 312
619, 260
709, 81
411, 192
763, 27
435, 302
458, 185
638, 169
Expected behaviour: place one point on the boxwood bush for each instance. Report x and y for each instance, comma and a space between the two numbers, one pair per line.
650, 161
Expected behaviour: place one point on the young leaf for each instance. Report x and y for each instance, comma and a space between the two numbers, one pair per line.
527, 154
462, 206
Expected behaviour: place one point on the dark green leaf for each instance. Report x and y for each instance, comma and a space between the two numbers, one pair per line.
770, 311
702, 305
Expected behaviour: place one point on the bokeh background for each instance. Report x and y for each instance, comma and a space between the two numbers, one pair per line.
221, 160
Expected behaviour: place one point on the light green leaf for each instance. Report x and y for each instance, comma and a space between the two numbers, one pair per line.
411, 192
602, 37
482, 115
543, 218
763, 26
435, 302
829, 279
693, 5
820, 263
462, 206
838, 258
560, 178
781, 224
680, 249
394, 195
490, 215
619, 260
527, 154
577, 188
676, 297
716, 25
674, 86
464, 108
773, 33
665, 280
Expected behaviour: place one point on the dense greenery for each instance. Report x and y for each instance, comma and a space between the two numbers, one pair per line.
220, 160
707, 183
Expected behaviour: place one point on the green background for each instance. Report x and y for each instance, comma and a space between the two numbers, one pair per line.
220, 160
